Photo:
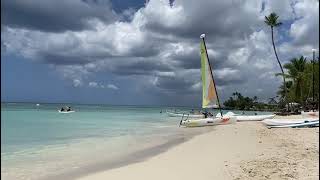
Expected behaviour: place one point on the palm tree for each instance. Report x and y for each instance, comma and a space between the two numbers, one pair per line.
296, 69
272, 21
235, 94
255, 98
282, 90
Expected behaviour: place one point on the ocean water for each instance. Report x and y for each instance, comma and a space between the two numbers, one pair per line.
38, 142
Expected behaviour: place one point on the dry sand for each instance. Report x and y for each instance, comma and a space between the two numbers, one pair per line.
245, 150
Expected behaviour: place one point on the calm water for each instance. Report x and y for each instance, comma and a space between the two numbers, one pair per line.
37, 141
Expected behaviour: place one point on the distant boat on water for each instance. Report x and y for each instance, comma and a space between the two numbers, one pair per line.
66, 110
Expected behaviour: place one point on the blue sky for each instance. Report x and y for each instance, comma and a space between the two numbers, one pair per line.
132, 52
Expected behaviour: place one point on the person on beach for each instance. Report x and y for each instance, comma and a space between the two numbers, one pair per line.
205, 114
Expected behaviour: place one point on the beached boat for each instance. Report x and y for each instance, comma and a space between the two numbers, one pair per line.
281, 122
248, 117
172, 114
210, 97
298, 125
208, 121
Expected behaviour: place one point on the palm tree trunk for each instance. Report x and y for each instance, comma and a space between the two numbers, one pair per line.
284, 79
301, 91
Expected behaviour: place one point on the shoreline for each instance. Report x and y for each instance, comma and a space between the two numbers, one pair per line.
132, 158
245, 150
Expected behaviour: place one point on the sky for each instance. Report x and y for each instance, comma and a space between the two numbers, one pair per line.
147, 52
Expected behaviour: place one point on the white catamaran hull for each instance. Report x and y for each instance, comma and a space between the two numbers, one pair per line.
171, 114
281, 122
305, 124
208, 121
254, 117
248, 118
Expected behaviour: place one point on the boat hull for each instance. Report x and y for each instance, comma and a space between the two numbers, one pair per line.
248, 118
305, 124
254, 118
65, 112
185, 115
282, 122
208, 121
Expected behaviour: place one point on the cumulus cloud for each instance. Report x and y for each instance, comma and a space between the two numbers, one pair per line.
112, 86
56, 16
93, 84
160, 43
77, 83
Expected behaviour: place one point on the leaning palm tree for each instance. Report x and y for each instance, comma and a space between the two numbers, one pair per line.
272, 21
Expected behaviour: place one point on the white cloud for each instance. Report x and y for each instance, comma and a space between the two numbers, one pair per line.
306, 29
77, 83
93, 84
166, 74
112, 86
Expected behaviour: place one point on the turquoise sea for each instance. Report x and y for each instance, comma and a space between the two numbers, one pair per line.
37, 142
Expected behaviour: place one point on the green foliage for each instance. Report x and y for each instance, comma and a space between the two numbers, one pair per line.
245, 103
300, 72
272, 20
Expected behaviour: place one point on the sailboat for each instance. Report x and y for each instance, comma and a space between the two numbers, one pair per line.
210, 97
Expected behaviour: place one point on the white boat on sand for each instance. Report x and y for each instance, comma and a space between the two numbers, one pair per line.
208, 121
280, 122
248, 117
297, 125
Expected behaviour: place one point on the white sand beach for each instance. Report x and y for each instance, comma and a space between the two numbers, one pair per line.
245, 150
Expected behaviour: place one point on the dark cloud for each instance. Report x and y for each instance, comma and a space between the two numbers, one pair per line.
60, 59
140, 67
159, 44
55, 16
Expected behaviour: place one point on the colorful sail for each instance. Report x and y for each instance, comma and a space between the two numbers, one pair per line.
209, 94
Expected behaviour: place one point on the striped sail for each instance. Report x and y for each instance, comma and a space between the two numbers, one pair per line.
209, 95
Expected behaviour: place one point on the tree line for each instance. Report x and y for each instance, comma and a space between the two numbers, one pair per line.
240, 102
302, 84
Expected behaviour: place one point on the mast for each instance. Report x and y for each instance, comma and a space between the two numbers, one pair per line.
205, 47
313, 103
